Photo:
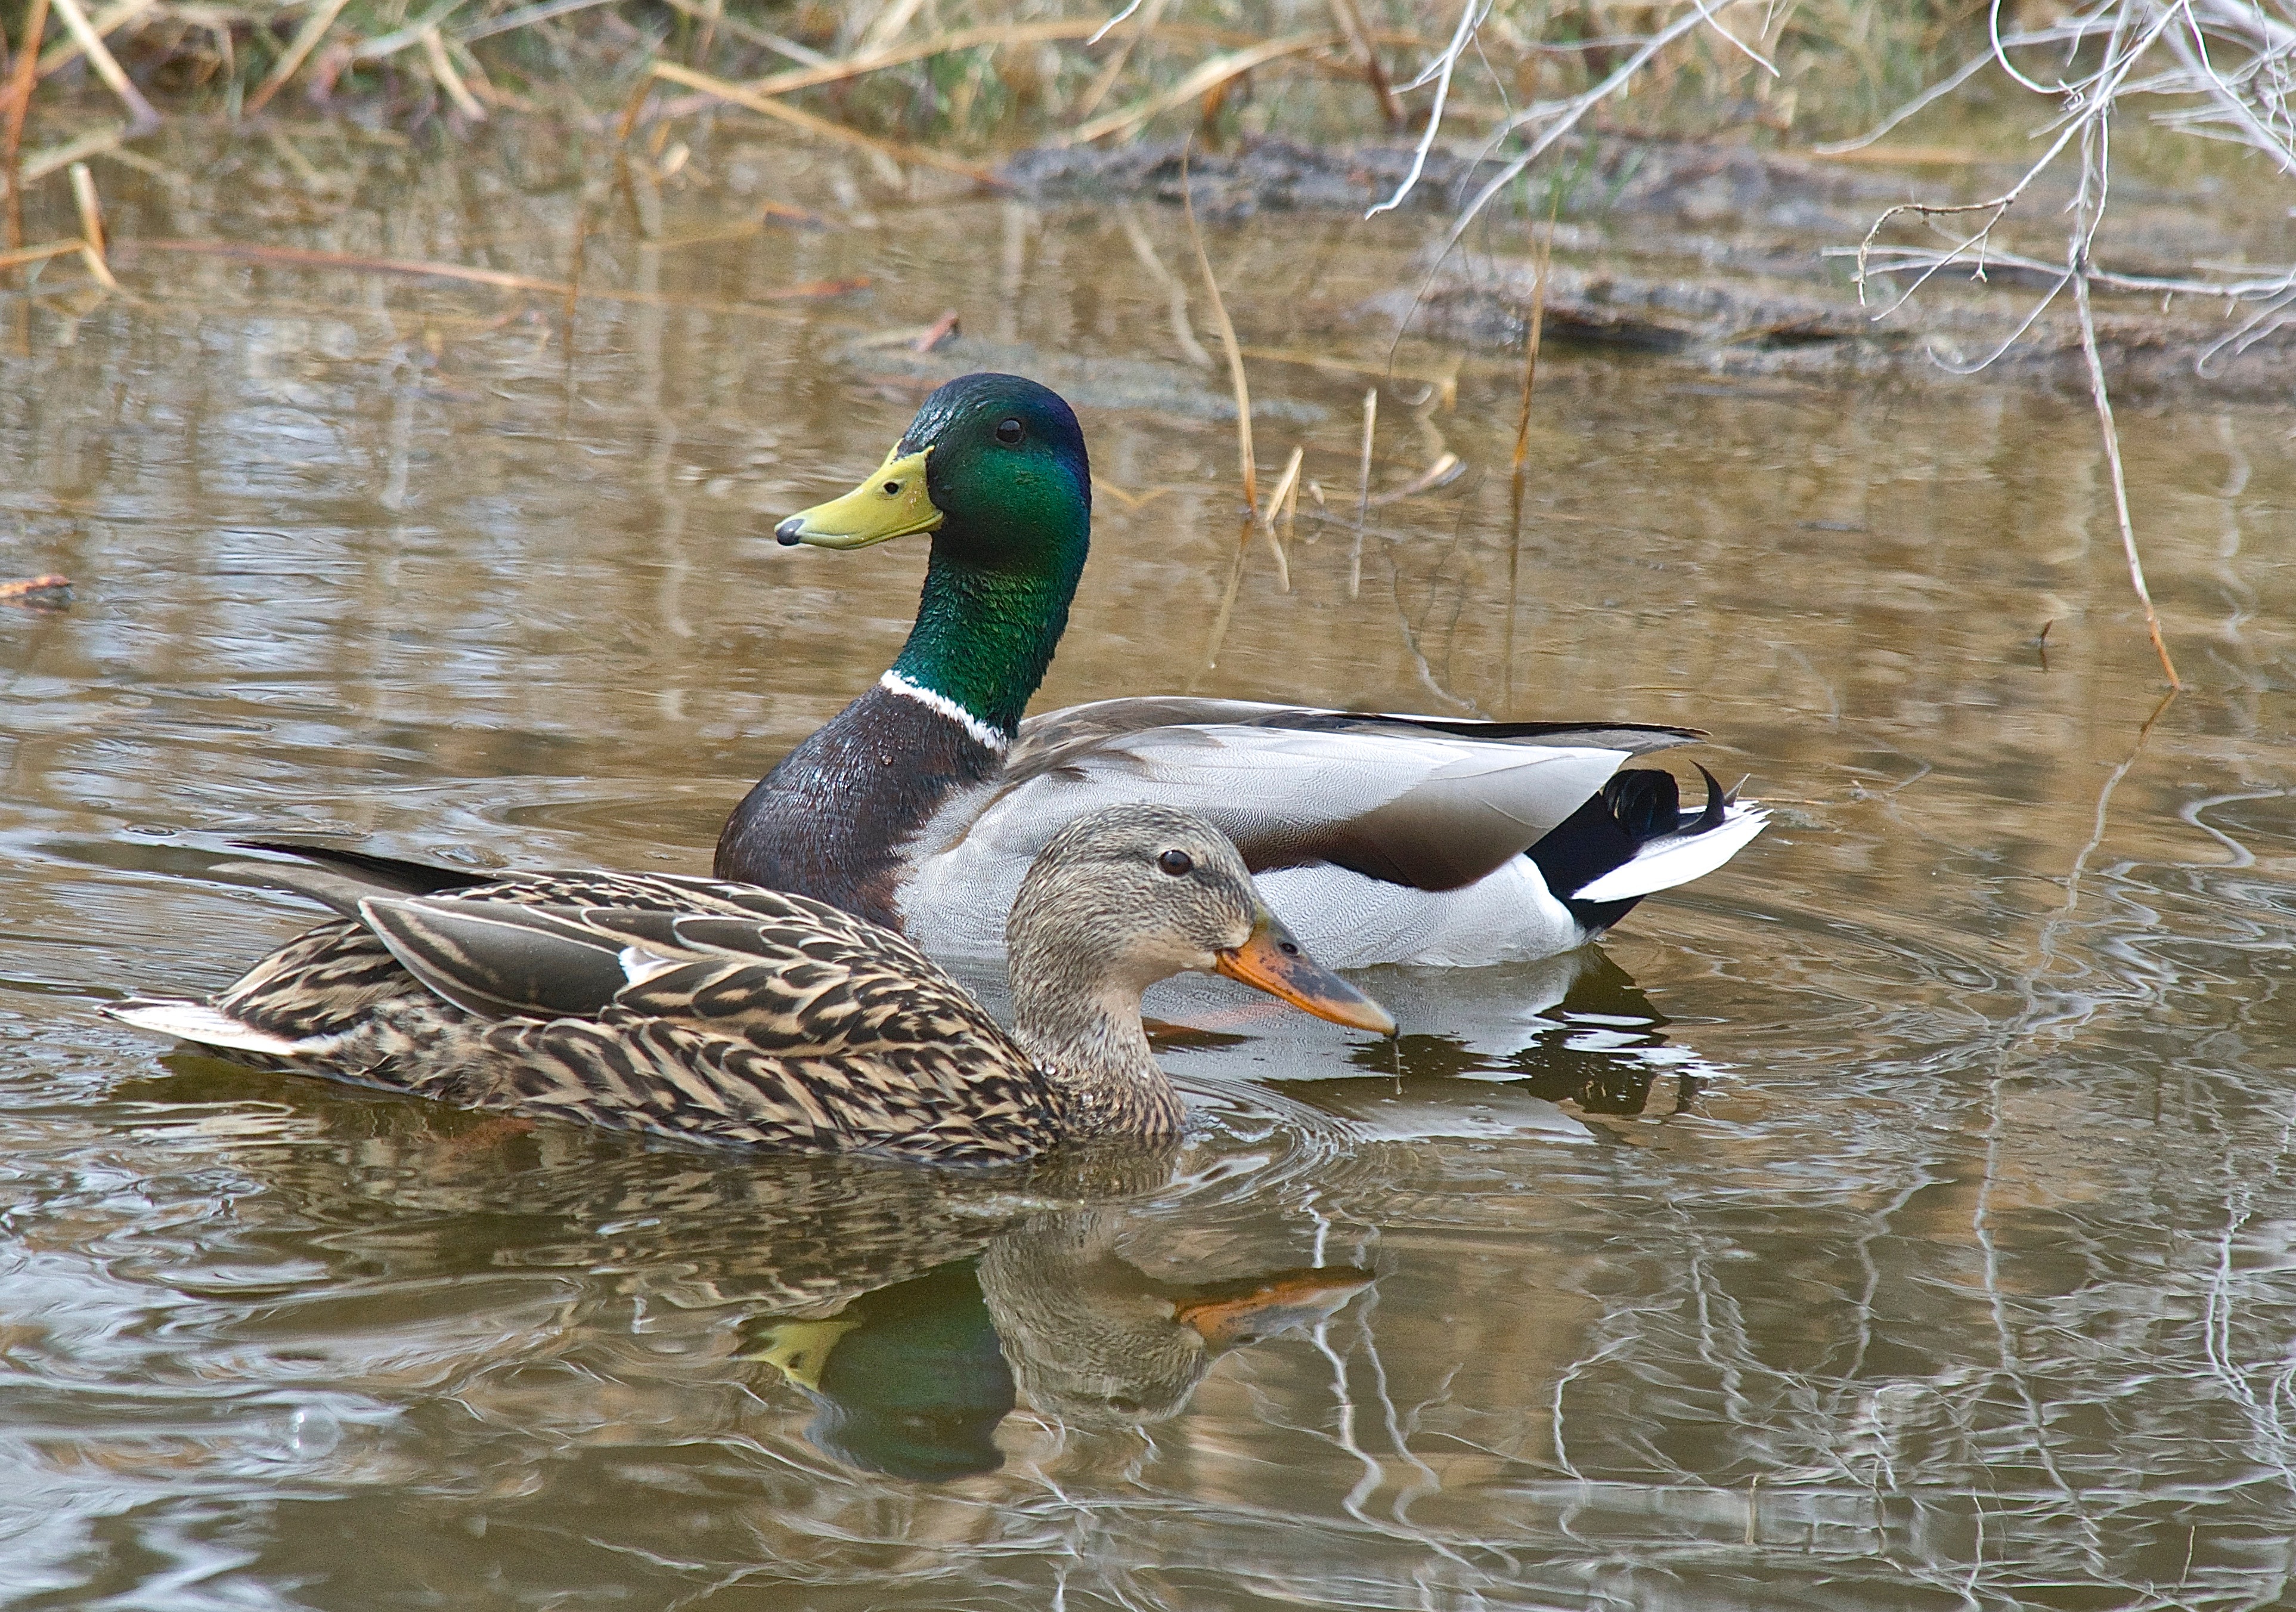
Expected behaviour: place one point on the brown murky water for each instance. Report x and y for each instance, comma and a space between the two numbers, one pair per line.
1901, 1217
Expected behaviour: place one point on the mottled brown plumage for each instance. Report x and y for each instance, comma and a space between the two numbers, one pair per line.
724, 1013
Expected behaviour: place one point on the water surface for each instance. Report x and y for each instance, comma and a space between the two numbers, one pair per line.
1898, 1217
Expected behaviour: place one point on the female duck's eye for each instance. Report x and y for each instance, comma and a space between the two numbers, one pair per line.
1008, 431
1175, 863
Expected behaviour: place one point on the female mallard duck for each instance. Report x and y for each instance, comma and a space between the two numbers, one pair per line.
1382, 839
718, 1012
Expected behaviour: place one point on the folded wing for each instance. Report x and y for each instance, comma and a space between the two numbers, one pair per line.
1392, 801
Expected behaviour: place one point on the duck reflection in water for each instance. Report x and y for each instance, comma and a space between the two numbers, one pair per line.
913, 1380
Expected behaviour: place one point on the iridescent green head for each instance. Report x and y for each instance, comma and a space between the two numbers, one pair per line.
993, 467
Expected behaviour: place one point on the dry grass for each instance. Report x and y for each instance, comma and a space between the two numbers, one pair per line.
984, 72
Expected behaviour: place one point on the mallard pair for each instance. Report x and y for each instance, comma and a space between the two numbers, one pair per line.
779, 1003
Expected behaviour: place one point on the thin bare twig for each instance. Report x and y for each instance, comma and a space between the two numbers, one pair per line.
1471, 14
1351, 24
11, 132
106, 23
1228, 342
1210, 76
2119, 483
42, 252
739, 96
140, 114
1105, 79
298, 51
442, 70
2254, 103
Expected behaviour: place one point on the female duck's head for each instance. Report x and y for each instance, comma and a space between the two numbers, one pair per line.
1127, 895
993, 467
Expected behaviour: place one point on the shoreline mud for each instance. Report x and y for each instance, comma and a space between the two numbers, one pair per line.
1737, 262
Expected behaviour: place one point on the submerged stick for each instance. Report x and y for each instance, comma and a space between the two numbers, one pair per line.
1442, 385
40, 164
47, 590
1531, 345
1227, 342
1287, 490
2119, 483
1446, 465
301, 256
1226, 607
1175, 295
90, 226
1363, 492
1522, 449
739, 96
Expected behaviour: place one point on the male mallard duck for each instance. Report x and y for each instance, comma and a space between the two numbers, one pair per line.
1382, 839
718, 1012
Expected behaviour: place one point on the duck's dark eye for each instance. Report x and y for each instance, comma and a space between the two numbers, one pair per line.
1176, 862
1008, 431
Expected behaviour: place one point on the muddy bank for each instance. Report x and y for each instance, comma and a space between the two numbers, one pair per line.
1740, 261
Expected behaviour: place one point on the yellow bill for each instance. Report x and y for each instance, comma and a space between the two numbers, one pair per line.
892, 503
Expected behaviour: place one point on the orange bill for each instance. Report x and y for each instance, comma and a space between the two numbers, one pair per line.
1272, 961
1261, 1306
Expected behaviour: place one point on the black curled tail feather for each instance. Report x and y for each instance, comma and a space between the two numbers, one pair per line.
1635, 807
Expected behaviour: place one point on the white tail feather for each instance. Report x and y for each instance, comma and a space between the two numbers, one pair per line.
1676, 859
198, 1022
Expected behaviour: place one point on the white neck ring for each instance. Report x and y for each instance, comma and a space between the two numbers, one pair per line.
932, 699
